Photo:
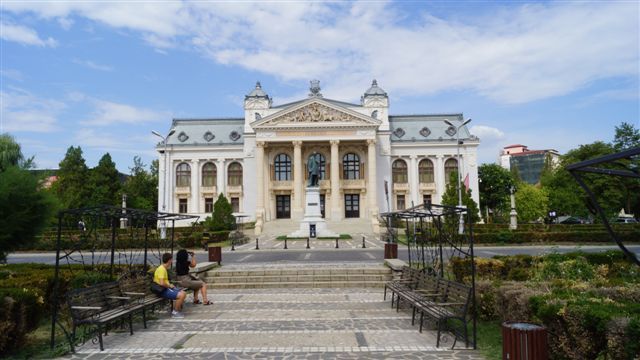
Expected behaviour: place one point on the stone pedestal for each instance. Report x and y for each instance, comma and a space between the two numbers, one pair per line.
313, 217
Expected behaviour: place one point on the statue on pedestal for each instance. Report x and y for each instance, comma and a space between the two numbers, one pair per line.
313, 167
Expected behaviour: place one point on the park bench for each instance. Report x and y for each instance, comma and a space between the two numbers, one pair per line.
443, 301
99, 305
137, 285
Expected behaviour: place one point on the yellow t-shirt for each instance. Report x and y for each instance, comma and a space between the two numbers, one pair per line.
160, 275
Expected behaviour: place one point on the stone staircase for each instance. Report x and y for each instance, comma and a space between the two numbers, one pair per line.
353, 227
298, 276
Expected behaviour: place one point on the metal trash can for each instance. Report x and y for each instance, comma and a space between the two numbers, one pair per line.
524, 341
390, 251
215, 253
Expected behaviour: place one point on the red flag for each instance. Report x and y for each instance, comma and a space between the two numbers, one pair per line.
466, 182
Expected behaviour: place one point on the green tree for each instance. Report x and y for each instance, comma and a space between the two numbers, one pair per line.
104, 183
141, 187
532, 202
73, 177
222, 217
24, 207
568, 198
450, 197
495, 185
626, 137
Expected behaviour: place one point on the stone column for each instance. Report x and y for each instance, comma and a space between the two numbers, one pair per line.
221, 177
260, 187
335, 181
440, 180
372, 187
195, 187
298, 181
413, 181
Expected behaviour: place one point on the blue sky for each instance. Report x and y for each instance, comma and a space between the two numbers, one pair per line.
102, 75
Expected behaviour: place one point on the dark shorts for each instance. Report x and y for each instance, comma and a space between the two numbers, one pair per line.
170, 294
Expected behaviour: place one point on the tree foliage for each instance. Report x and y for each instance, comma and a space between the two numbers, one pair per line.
450, 197
532, 202
72, 187
222, 217
626, 137
104, 183
567, 198
24, 207
141, 186
495, 185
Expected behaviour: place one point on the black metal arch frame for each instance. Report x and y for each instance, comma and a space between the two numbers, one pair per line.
623, 164
433, 239
89, 237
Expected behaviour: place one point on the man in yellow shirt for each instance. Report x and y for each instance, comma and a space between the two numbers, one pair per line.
161, 277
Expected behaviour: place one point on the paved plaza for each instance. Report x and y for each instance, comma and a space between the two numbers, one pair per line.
291, 323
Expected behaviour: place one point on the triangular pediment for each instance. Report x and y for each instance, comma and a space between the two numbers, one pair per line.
315, 112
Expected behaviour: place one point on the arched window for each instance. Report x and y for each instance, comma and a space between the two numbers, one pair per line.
282, 167
183, 175
234, 173
450, 166
351, 167
425, 171
320, 158
399, 172
209, 174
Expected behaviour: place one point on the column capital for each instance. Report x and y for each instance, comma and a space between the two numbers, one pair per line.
371, 142
297, 143
334, 142
413, 157
260, 144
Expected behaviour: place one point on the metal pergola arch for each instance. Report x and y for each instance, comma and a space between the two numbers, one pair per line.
622, 164
84, 236
433, 239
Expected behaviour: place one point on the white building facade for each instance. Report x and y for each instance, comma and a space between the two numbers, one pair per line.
259, 161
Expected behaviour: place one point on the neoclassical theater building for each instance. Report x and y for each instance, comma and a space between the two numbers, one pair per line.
370, 161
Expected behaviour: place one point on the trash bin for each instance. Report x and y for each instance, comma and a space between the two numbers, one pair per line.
215, 252
390, 251
523, 341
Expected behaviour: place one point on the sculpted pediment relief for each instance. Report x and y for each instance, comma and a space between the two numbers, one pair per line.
316, 113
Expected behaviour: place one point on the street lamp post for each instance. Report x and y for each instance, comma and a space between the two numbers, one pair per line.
163, 231
461, 222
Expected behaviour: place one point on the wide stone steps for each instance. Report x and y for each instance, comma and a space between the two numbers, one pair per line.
347, 277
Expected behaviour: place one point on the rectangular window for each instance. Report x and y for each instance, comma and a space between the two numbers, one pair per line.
235, 204
208, 205
426, 199
182, 206
400, 202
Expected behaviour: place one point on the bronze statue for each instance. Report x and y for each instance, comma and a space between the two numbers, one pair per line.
313, 167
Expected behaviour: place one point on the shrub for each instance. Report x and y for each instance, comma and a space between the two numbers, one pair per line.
21, 312
486, 300
219, 236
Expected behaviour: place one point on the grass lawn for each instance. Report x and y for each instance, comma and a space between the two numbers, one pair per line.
490, 339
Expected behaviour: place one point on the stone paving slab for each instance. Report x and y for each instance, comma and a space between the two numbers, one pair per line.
353, 354
280, 324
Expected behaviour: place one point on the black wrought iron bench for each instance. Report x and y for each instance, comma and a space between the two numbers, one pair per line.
407, 282
137, 285
447, 310
99, 306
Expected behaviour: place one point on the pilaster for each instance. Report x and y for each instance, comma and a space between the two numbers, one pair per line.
194, 200
221, 177
413, 181
439, 177
260, 187
371, 184
336, 210
298, 181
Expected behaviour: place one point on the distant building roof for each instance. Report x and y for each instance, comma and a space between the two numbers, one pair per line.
421, 128
515, 146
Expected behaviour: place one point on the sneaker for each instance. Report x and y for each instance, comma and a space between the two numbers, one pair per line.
177, 315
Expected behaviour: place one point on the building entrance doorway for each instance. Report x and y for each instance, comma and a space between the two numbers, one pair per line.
352, 205
283, 206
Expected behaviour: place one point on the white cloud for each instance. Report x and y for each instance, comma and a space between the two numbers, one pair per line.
107, 141
24, 35
92, 65
487, 132
517, 53
108, 113
21, 111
